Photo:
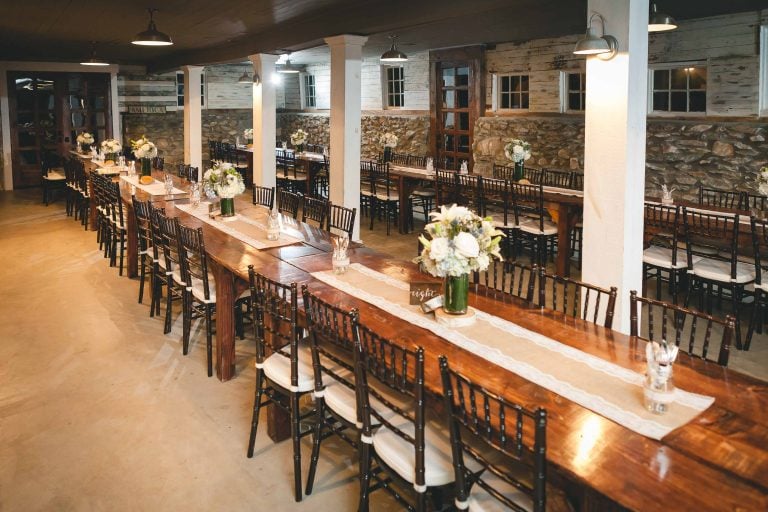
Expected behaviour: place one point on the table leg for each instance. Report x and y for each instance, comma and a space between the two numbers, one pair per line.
132, 252
225, 321
564, 223
404, 187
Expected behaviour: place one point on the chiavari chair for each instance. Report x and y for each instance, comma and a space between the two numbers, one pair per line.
531, 217
577, 298
506, 278
314, 209
264, 196
341, 220
663, 255
719, 198
288, 202
385, 199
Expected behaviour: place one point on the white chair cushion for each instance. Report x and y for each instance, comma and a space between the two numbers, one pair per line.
55, 176
717, 270
399, 454
424, 192
384, 197
532, 226
343, 402
277, 368
662, 257
481, 500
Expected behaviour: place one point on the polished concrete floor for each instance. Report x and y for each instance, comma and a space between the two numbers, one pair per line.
100, 411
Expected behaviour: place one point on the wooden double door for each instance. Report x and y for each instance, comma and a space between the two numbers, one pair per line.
47, 111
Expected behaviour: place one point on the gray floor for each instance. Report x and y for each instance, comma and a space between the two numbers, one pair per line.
100, 411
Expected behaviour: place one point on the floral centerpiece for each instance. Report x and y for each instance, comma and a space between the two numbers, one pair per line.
84, 140
518, 151
110, 148
298, 139
248, 134
224, 181
762, 181
389, 142
144, 150
458, 242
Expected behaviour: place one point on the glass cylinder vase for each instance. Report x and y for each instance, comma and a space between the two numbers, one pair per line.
110, 157
456, 294
519, 168
146, 167
85, 148
387, 154
227, 206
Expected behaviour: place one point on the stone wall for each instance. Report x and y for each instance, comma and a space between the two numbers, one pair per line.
167, 130
683, 154
412, 131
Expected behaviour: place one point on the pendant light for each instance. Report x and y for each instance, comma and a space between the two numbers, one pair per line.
152, 36
660, 21
93, 60
393, 55
288, 68
591, 44
245, 78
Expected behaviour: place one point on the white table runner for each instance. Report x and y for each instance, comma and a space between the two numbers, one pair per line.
156, 188
608, 389
249, 231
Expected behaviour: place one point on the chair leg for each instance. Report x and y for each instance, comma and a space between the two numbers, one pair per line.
168, 304
365, 475
142, 276
256, 410
316, 437
421, 502
735, 301
209, 338
753, 319
295, 434
186, 321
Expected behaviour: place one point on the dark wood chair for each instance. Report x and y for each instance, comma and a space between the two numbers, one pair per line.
341, 220
264, 196
288, 202
366, 187
557, 178
446, 184
143, 212
499, 447
655, 320
168, 244
577, 180
506, 278
283, 363
469, 189
760, 249
158, 276
662, 258
385, 200
118, 224
576, 298
720, 198
496, 202
289, 175
54, 178
332, 337
314, 209
754, 202
534, 227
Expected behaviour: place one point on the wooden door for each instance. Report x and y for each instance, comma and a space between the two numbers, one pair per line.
86, 105
457, 100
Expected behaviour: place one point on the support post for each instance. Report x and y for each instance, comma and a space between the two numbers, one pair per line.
264, 120
193, 117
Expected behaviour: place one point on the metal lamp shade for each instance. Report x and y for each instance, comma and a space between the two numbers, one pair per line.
288, 68
393, 55
245, 79
660, 22
591, 44
152, 37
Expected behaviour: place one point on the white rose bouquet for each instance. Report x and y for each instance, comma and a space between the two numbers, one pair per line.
299, 137
518, 150
460, 242
84, 140
248, 133
223, 180
110, 148
388, 140
143, 148
762, 181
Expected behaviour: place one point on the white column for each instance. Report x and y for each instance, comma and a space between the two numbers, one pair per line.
117, 132
264, 120
5, 131
193, 117
614, 154
346, 62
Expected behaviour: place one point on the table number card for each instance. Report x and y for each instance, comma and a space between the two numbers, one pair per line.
423, 291
214, 208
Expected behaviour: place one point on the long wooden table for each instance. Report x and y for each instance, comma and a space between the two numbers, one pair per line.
308, 161
716, 462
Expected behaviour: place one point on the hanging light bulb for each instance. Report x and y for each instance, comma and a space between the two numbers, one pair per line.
152, 36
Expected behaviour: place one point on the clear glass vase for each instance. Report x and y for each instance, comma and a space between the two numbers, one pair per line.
146, 167
227, 206
456, 294
519, 170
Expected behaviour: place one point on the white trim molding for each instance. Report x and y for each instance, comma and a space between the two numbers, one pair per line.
762, 107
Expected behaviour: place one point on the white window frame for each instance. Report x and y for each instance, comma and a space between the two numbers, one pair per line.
385, 88
496, 92
180, 97
762, 107
303, 90
670, 66
565, 90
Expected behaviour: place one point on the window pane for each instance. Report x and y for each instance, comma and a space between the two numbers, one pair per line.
464, 121
462, 98
661, 101
524, 100
505, 87
524, 83
515, 81
679, 78
573, 101
462, 76
448, 120
661, 79
448, 142
679, 102
463, 146
505, 101
515, 101
449, 99
583, 101
697, 78
448, 77
698, 101
574, 81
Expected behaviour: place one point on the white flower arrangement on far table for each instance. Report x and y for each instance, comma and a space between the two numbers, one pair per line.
223, 180
762, 181
85, 138
111, 147
299, 137
143, 148
459, 242
248, 133
388, 140
518, 150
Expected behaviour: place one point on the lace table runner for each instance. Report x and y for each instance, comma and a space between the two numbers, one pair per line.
608, 389
249, 231
156, 188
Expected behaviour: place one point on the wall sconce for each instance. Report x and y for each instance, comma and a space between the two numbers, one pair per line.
605, 46
256, 79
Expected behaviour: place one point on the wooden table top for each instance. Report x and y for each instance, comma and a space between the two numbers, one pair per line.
719, 461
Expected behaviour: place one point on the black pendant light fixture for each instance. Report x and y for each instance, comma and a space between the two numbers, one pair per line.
660, 21
93, 60
288, 68
245, 78
393, 55
152, 36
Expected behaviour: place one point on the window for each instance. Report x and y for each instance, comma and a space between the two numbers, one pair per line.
395, 95
679, 88
180, 89
513, 91
575, 92
310, 100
